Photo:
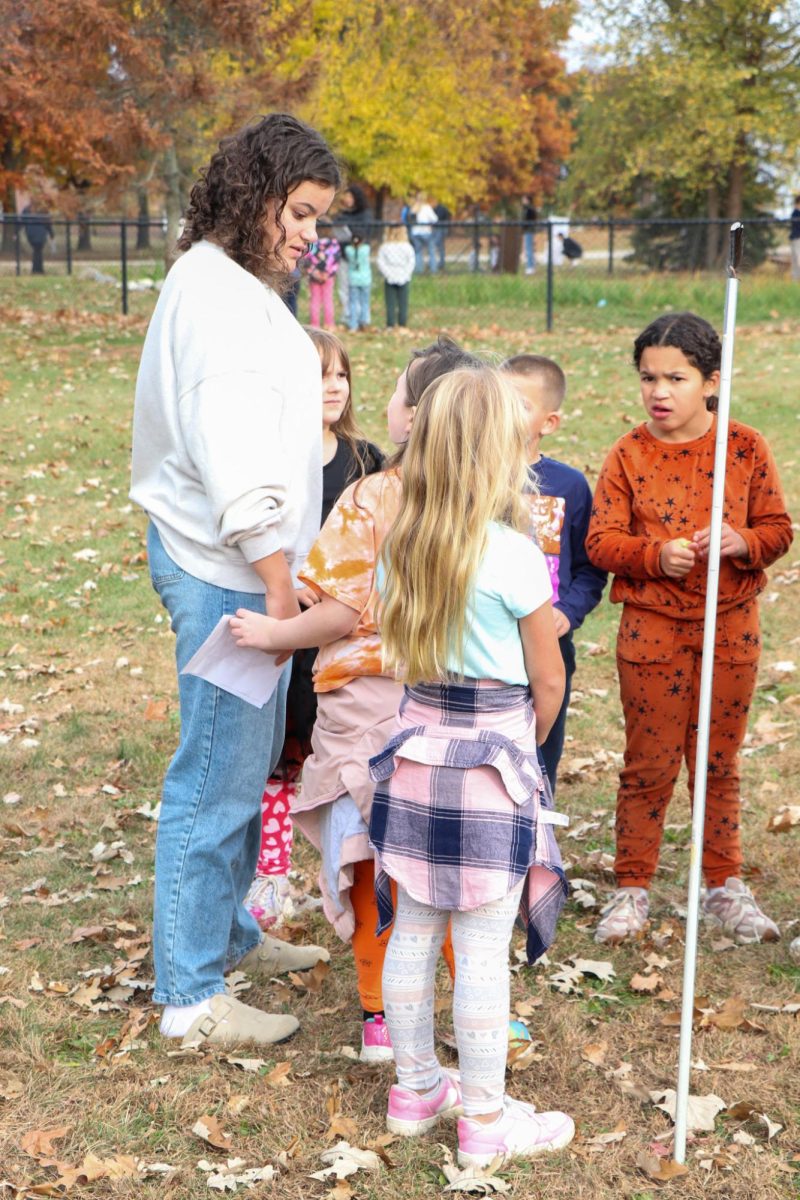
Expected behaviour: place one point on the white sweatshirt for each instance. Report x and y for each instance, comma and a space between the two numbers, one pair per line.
396, 261
227, 443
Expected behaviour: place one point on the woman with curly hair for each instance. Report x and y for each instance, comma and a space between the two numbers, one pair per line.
227, 463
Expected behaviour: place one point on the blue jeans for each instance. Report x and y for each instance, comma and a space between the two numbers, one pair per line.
209, 832
358, 306
438, 245
530, 252
420, 244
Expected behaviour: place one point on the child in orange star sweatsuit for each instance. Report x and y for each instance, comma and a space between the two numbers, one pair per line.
650, 529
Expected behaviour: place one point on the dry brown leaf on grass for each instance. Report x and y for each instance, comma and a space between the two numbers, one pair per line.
343, 1160
523, 1054
595, 1053
253, 1065
701, 1110
473, 1181
279, 1075
312, 980
10, 1087
38, 1143
784, 818
645, 983
756, 1122
601, 1141
155, 710
209, 1130
227, 1177
93, 1168
659, 1169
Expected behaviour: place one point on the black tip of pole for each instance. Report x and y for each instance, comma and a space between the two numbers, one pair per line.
736, 247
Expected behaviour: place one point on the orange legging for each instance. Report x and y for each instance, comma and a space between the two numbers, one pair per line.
369, 950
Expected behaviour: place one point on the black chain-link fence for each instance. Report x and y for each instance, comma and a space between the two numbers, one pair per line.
130, 254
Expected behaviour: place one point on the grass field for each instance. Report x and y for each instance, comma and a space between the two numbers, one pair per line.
88, 719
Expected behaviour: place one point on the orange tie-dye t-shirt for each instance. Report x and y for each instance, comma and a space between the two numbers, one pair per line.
342, 564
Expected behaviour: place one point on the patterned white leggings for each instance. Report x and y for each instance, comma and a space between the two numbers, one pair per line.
481, 939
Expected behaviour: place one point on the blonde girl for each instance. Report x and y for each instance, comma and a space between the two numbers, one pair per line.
467, 622
357, 699
346, 457
395, 262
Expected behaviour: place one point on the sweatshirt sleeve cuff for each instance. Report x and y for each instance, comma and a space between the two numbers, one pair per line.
652, 560
753, 551
260, 545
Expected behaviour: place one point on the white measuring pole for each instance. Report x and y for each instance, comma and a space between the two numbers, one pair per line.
706, 682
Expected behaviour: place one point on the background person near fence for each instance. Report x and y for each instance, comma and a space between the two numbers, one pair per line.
395, 262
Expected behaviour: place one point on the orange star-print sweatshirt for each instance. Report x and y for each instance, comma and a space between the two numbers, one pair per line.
650, 492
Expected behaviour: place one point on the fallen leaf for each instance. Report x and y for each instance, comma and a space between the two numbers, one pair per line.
38, 1143
785, 817
311, 980
599, 970
701, 1110
343, 1160
10, 1086
473, 1181
209, 1130
595, 1053
279, 1075
253, 1065
645, 983
155, 710
659, 1169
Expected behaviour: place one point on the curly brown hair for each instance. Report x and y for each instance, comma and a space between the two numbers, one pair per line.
262, 162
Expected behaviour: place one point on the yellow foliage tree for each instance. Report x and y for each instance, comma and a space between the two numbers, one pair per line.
454, 100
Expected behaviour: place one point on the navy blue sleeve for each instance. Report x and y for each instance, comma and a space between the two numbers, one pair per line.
580, 584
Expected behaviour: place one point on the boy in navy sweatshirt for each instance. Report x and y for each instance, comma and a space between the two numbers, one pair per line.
560, 520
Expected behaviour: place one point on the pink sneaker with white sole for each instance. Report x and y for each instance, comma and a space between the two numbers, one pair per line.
519, 1132
376, 1045
410, 1114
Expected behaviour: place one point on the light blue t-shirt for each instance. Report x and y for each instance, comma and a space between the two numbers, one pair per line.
512, 581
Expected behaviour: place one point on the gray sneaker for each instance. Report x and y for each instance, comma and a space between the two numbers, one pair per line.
624, 916
733, 909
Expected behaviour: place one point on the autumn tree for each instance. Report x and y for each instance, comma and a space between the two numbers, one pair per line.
698, 107
460, 100
61, 110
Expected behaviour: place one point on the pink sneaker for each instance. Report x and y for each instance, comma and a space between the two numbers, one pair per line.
376, 1045
410, 1114
520, 1132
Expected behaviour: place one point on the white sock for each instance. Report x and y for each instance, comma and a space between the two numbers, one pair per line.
177, 1021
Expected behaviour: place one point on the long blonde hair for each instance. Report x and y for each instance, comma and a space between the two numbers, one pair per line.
465, 465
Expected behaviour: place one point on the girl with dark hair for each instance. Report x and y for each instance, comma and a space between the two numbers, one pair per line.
650, 529
346, 457
227, 463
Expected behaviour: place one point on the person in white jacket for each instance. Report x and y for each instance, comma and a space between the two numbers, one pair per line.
395, 262
227, 465
422, 234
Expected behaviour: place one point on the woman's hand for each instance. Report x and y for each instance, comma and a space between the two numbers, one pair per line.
677, 557
732, 544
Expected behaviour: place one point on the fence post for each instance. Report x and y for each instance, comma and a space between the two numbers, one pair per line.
476, 242
17, 247
549, 276
123, 247
68, 245
611, 245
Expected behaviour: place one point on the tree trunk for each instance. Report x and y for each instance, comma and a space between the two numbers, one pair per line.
380, 200
736, 184
9, 221
143, 225
173, 202
84, 231
712, 230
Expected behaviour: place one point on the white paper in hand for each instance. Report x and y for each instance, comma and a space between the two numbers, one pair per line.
249, 674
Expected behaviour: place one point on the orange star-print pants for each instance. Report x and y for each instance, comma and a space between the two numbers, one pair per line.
659, 660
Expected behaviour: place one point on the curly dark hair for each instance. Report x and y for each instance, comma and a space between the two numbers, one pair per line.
695, 338
262, 162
